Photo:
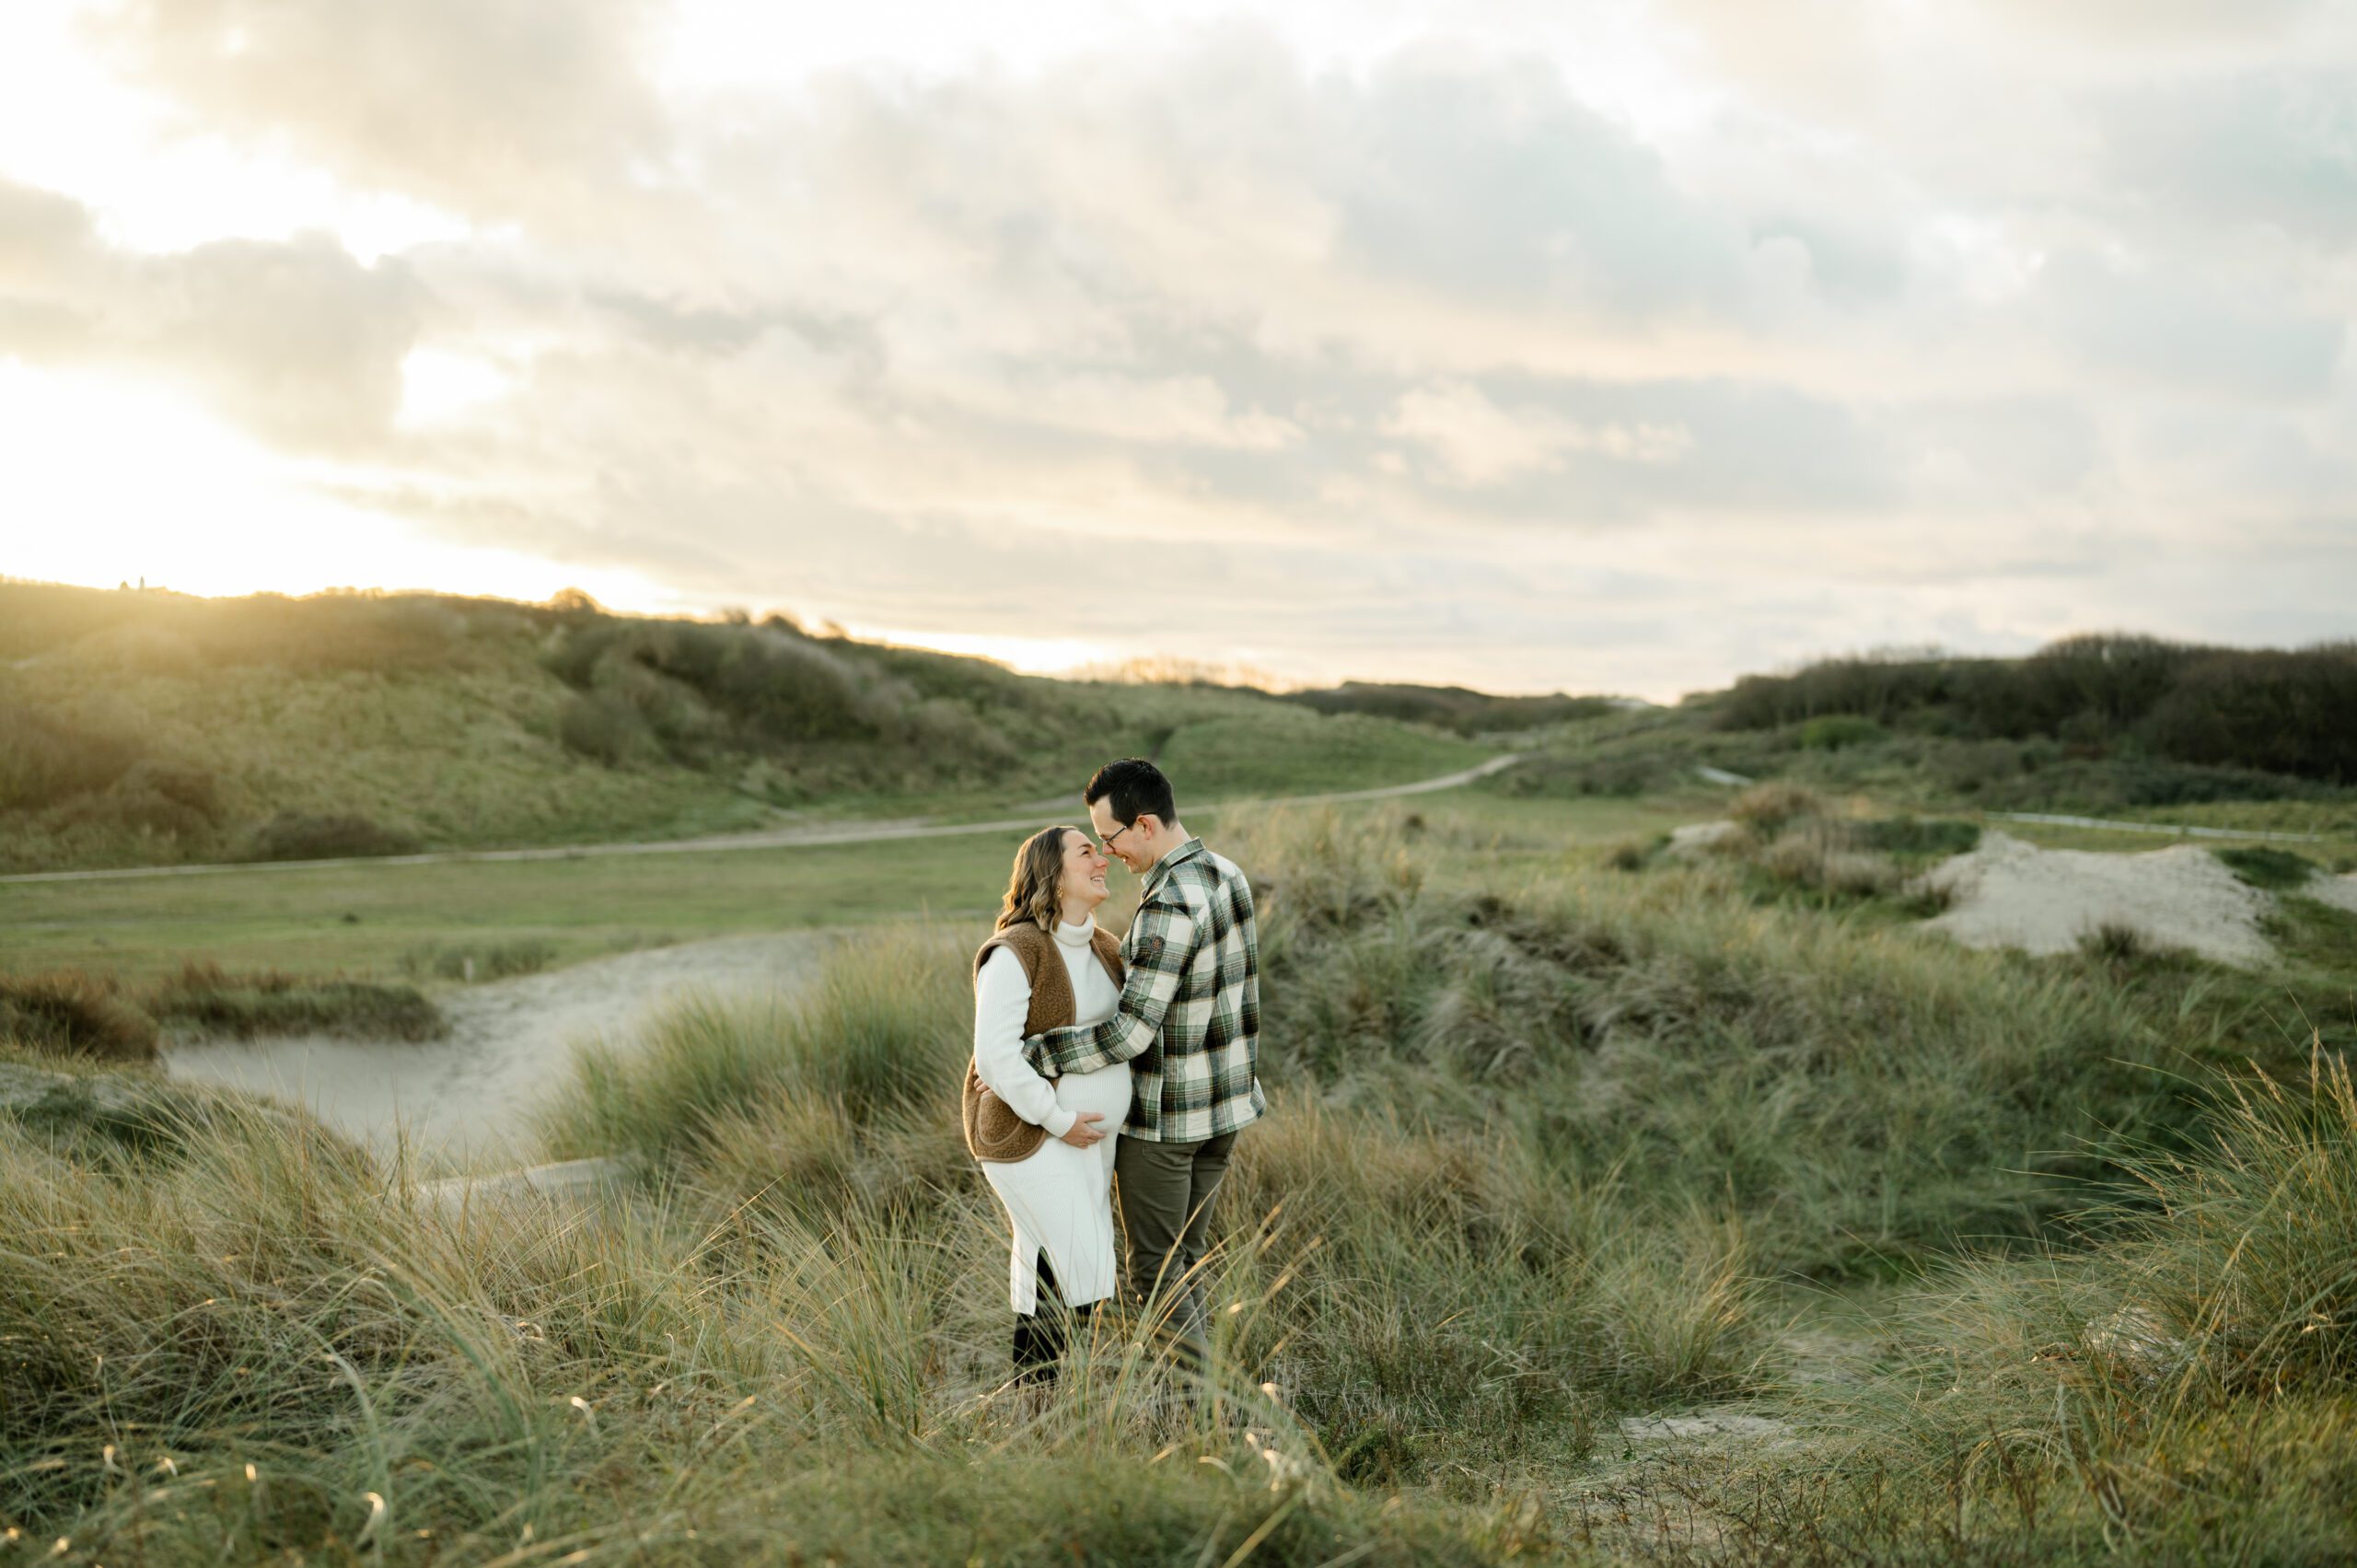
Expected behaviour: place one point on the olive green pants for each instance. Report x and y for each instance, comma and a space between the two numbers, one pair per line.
1167, 1192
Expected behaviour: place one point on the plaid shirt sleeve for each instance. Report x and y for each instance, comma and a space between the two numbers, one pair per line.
1161, 945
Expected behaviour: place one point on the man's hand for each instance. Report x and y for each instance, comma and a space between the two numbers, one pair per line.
1080, 1134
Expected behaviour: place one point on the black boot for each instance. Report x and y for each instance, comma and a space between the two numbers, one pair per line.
1040, 1336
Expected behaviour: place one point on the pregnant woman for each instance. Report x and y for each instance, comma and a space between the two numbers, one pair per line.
1047, 1146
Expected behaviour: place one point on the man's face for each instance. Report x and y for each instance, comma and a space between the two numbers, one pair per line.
1124, 844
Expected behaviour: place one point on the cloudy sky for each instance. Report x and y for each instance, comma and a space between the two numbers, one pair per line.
1623, 346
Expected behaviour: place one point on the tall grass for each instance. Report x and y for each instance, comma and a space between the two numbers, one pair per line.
1537, 1156
1858, 1094
2186, 1390
254, 1346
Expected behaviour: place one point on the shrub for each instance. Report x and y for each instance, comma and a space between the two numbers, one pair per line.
1834, 731
1822, 856
1630, 855
483, 961
2287, 712
49, 758
294, 835
67, 1010
1924, 837
2276, 870
1969, 767
2095, 683
602, 726
2114, 942
1452, 707
161, 798
204, 997
1766, 807
1881, 687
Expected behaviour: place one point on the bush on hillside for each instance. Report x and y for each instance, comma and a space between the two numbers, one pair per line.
2259, 711
2098, 785
602, 726
2285, 713
2090, 687
67, 1010
1883, 687
1831, 732
296, 835
695, 684
38, 618
158, 797
49, 757
1451, 707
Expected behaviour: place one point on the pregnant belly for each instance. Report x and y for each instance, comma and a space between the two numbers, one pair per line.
1105, 1091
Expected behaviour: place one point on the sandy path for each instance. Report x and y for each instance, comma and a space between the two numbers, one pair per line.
467, 1099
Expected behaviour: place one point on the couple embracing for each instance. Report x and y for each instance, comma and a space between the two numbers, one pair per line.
1095, 1059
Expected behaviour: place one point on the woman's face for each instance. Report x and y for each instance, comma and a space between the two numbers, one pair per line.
1082, 882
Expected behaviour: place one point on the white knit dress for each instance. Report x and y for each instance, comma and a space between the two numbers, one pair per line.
1058, 1197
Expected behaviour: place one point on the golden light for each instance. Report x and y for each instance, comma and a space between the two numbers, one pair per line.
112, 481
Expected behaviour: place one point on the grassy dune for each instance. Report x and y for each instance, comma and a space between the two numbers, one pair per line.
1566, 1140
154, 730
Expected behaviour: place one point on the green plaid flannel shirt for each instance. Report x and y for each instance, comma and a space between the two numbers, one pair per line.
1190, 1020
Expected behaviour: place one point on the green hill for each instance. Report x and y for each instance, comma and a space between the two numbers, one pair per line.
2106, 724
159, 728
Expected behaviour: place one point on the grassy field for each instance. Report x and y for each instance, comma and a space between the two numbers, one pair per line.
363, 920
1959, 1256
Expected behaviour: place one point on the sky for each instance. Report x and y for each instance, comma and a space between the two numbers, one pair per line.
1597, 346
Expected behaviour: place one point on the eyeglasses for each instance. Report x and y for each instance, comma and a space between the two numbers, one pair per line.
1115, 834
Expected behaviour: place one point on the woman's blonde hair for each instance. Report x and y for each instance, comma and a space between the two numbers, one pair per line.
1031, 892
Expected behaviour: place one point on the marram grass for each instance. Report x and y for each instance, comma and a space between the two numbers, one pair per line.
1540, 1157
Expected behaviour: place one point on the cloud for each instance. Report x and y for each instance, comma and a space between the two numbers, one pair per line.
295, 340
2154, 325
494, 108
1477, 442
1433, 361
2275, 147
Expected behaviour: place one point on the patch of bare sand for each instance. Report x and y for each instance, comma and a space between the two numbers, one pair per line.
1696, 838
2340, 892
2009, 893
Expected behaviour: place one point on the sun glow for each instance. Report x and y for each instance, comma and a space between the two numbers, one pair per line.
1026, 656
114, 482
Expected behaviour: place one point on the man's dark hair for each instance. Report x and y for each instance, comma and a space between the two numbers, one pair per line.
1136, 787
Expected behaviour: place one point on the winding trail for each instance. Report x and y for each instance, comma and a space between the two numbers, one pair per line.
783, 838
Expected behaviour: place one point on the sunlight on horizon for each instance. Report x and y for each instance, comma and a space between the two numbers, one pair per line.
86, 515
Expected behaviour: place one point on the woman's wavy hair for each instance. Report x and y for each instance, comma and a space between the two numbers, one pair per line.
1031, 891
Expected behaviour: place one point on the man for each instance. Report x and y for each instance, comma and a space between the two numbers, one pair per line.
1189, 1025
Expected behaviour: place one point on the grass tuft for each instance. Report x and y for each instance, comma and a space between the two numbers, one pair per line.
2274, 870
68, 1010
205, 996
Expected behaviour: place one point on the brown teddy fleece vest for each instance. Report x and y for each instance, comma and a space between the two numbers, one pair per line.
994, 1133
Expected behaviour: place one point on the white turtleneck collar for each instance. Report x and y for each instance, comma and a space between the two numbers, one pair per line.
1076, 935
